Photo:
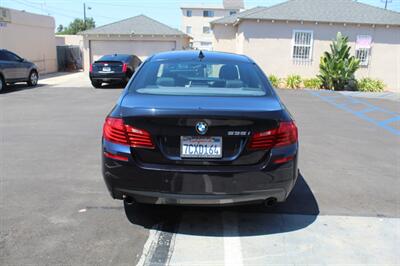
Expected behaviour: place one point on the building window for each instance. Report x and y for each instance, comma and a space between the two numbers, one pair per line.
206, 30
208, 13
232, 12
188, 13
302, 45
189, 29
363, 48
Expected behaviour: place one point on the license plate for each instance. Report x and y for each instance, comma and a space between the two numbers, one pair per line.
106, 69
201, 147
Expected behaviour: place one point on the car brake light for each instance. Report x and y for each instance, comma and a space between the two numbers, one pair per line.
124, 67
285, 134
91, 68
114, 130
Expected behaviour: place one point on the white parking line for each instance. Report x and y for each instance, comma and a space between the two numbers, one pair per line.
232, 245
270, 239
149, 246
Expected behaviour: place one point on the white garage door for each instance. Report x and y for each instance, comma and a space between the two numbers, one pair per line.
142, 49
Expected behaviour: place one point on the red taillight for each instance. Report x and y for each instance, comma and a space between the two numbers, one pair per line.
284, 135
116, 131
124, 67
91, 68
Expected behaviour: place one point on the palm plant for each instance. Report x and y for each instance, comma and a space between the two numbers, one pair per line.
337, 67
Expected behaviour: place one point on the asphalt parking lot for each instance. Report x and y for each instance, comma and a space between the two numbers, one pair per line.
55, 208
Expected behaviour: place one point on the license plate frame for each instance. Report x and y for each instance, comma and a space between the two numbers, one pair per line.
208, 147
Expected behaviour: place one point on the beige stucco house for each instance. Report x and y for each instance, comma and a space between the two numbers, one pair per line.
31, 36
196, 20
139, 35
290, 38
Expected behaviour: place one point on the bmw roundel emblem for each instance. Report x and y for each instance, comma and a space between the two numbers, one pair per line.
201, 128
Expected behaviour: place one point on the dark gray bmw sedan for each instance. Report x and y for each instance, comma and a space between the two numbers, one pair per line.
199, 128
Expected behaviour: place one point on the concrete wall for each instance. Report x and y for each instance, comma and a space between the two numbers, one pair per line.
69, 40
31, 36
224, 38
197, 22
118, 44
270, 45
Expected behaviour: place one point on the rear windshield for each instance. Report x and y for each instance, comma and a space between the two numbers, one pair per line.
200, 78
114, 58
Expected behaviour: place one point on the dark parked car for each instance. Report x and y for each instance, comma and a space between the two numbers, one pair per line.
116, 68
199, 128
16, 69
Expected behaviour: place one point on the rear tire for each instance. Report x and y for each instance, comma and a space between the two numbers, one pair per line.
2, 84
33, 78
96, 84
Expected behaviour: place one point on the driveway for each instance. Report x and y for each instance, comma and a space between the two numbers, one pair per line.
55, 208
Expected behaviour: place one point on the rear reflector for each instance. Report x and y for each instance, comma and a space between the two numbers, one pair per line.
284, 160
285, 134
116, 157
114, 130
124, 67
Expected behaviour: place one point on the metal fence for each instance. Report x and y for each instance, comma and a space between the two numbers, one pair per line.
69, 58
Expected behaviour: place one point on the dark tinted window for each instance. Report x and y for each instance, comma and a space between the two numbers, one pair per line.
208, 13
7, 56
117, 57
13, 57
200, 78
3, 56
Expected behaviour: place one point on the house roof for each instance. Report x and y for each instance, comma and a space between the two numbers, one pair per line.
233, 18
138, 25
336, 11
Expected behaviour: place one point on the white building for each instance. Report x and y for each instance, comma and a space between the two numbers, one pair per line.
290, 38
30, 36
196, 20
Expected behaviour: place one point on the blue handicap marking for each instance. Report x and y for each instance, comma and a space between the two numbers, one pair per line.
327, 97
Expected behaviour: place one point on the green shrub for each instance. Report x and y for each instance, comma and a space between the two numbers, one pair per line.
293, 81
313, 83
337, 67
370, 85
274, 80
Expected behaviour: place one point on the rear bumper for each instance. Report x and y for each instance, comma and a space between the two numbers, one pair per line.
232, 185
96, 76
150, 197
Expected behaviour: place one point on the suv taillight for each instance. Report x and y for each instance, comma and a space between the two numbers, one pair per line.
114, 130
91, 68
285, 134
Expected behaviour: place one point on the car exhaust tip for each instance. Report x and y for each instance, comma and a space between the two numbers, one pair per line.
128, 200
270, 202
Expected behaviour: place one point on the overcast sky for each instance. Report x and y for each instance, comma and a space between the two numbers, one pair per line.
107, 11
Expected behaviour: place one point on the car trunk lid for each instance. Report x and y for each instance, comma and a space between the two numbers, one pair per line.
167, 118
107, 66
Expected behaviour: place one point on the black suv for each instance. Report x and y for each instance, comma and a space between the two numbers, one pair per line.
116, 68
16, 69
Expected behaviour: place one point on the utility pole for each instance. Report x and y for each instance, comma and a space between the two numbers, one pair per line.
386, 2
84, 15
